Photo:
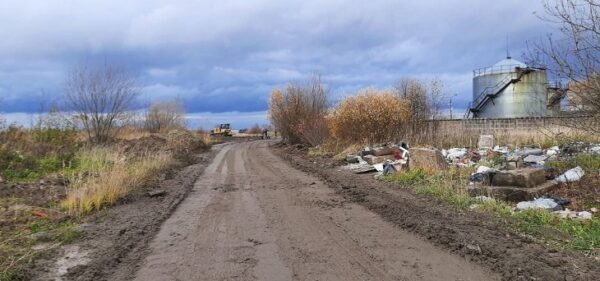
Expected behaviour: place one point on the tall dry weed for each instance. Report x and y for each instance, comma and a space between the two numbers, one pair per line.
103, 176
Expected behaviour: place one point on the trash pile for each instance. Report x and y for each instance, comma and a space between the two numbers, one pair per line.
506, 173
384, 158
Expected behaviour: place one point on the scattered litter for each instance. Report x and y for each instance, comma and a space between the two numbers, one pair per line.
455, 153
39, 214
501, 149
529, 151
539, 203
568, 214
483, 169
552, 151
538, 159
483, 198
572, 175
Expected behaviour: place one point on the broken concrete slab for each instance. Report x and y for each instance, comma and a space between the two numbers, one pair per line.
382, 151
372, 159
512, 193
485, 142
535, 159
425, 158
527, 177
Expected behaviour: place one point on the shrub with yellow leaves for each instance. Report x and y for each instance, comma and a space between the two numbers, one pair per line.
372, 116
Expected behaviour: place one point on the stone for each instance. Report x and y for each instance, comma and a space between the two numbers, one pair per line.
41, 236
512, 193
485, 142
157, 193
526, 177
425, 158
352, 159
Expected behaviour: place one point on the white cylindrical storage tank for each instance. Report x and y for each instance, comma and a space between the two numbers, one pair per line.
516, 91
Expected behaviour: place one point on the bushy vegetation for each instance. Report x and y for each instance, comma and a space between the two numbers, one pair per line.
372, 116
298, 112
165, 116
28, 154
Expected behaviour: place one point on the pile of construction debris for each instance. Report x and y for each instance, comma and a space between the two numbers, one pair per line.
509, 174
384, 158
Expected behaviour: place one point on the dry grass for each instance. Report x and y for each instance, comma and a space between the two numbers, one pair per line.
103, 176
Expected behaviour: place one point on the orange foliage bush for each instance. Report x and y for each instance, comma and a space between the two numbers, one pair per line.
372, 116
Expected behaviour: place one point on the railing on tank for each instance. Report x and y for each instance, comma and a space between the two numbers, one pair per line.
495, 69
490, 91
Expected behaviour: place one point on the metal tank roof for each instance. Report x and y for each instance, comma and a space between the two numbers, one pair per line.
510, 62
506, 65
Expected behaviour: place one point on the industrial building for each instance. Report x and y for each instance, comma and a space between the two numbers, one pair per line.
509, 89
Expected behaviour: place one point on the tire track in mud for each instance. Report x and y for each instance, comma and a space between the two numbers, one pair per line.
251, 216
480, 238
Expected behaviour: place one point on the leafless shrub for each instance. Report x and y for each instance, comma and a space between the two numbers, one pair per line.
165, 116
256, 129
424, 100
297, 110
574, 56
101, 98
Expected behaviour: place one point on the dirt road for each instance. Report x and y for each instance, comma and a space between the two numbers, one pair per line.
251, 216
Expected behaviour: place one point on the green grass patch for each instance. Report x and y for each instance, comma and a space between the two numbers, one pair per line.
582, 235
590, 163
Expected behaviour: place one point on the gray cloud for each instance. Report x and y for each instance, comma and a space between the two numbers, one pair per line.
225, 56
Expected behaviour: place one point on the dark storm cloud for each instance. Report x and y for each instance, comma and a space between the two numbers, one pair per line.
225, 56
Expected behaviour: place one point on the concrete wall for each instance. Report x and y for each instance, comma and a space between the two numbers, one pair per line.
501, 124
465, 132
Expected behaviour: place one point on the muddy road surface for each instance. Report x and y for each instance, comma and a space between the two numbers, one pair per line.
251, 216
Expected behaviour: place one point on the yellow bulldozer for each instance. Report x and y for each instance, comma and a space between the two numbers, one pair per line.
222, 130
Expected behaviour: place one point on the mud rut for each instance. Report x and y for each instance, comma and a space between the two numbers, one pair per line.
251, 216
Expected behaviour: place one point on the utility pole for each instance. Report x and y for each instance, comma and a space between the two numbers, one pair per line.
451, 108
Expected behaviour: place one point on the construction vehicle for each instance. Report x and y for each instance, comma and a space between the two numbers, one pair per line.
223, 130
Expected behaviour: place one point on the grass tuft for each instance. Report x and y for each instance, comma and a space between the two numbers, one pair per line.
103, 176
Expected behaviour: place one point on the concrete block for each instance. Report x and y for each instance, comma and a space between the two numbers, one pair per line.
527, 177
372, 159
485, 142
425, 158
512, 193
381, 151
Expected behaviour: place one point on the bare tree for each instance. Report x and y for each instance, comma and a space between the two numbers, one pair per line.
164, 116
415, 92
574, 55
101, 97
298, 111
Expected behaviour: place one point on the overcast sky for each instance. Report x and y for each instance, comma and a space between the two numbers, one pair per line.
224, 57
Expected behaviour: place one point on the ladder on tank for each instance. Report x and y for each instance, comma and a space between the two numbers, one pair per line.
490, 93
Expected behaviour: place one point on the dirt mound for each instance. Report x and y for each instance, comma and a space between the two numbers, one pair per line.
478, 237
182, 144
